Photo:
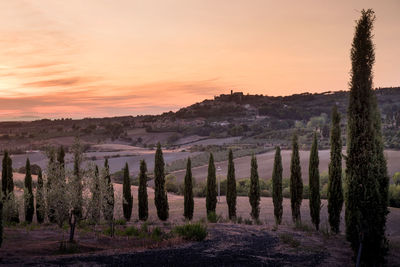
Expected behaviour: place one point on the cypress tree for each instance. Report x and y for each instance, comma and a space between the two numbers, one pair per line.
160, 194
254, 192
296, 183
1, 223
40, 204
335, 190
142, 192
10, 190
313, 170
127, 194
61, 156
95, 202
277, 196
108, 194
4, 175
365, 219
28, 195
188, 192
78, 201
211, 194
231, 187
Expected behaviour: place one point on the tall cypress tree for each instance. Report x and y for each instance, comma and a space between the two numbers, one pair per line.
364, 215
4, 175
335, 190
40, 204
381, 173
296, 183
188, 192
211, 194
277, 196
127, 200
254, 192
95, 202
142, 192
78, 202
61, 156
28, 194
108, 194
160, 194
313, 170
231, 187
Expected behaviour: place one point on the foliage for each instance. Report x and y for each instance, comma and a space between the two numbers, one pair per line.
77, 151
296, 183
107, 192
95, 203
160, 194
254, 192
127, 202
142, 192
231, 187
28, 194
394, 196
211, 195
277, 186
194, 232
40, 200
188, 192
335, 189
364, 173
315, 200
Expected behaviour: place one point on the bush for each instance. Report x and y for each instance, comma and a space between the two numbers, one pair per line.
306, 191
324, 192
120, 222
200, 190
286, 192
195, 231
394, 196
396, 178
288, 239
171, 185
265, 193
212, 217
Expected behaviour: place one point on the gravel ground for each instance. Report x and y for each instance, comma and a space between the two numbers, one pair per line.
226, 245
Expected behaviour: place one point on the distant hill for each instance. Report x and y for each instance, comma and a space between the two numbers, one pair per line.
255, 118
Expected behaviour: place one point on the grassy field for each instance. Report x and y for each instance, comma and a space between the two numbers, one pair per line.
266, 161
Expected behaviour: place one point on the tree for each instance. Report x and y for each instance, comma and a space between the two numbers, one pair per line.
12, 205
211, 194
40, 202
381, 172
127, 194
365, 212
313, 170
4, 175
77, 178
254, 192
277, 196
296, 183
1, 223
107, 192
335, 190
160, 194
61, 156
231, 187
28, 194
142, 192
95, 202
188, 192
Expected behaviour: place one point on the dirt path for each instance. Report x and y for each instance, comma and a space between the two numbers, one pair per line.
226, 245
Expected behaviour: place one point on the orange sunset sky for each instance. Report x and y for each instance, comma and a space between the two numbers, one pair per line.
95, 58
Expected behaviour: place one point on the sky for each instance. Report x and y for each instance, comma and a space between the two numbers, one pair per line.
102, 58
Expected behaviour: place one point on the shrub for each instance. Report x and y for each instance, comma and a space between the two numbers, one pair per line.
248, 221
396, 178
286, 192
394, 196
171, 185
265, 193
156, 234
288, 239
195, 231
212, 217
200, 189
120, 222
